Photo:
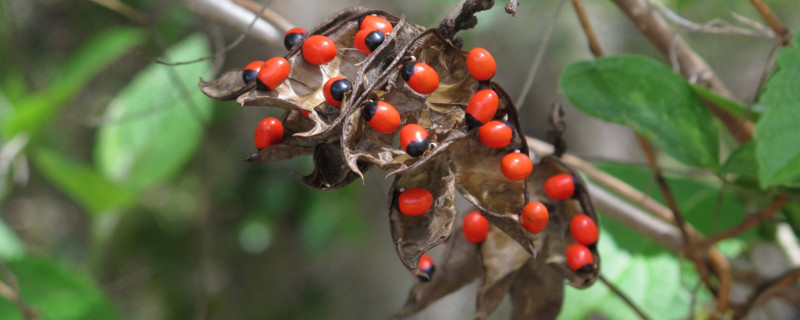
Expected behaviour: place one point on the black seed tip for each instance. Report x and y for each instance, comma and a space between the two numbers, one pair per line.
369, 110
408, 70
374, 39
339, 88
292, 39
249, 75
589, 268
430, 271
471, 121
417, 148
261, 86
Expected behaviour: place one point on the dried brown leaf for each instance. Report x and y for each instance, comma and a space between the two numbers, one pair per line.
537, 292
330, 171
227, 87
415, 235
502, 259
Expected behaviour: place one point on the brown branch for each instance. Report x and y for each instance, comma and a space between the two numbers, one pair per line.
462, 17
624, 298
594, 45
10, 292
766, 13
692, 66
749, 223
767, 290
270, 16
511, 7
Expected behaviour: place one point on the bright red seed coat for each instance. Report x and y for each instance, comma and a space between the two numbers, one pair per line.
360, 40
274, 72
483, 105
560, 186
319, 49
376, 22
516, 166
495, 134
269, 132
415, 201
424, 80
475, 227
326, 91
578, 256
583, 229
254, 66
481, 64
410, 133
534, 217
386, 119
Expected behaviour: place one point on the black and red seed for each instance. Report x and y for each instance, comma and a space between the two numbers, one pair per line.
335, 89
293, 37
414, 139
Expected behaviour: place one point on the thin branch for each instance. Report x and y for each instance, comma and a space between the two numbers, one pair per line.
240, 18
462, 17
594, 45
766, 13
124, 9
526, 87
272, 17
653, 26
10, 291
511, 7
767, 290
624, 298
748, 224
716, 26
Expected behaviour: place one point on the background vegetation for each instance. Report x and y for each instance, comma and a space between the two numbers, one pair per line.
123, 193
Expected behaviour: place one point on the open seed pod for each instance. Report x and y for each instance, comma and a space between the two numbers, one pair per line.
450, 156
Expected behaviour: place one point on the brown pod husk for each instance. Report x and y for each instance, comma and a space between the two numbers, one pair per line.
415, 235
459, 265
330, 171
537, 292
559, 236
290, 146
501, 259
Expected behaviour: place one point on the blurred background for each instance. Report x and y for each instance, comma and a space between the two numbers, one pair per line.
124, 193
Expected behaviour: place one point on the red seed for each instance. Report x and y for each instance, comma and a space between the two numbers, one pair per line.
583, 229
560, 186
579, 256
534, 217
482, 107
273, 73
335, 89
495, 134
475, 227
372, 21
293, 37
421, 77
319, 49
414, 201
381, 116
516, 166
269, 132
481, 64
414, 139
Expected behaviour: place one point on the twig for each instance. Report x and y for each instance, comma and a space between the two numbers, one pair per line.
768, 289
526, 87
124, 9
749, 223
652, 25
717, 26
240, 18
594, 45
11, 293
462, 17
766, 13
511, 7
272, 17
624, 298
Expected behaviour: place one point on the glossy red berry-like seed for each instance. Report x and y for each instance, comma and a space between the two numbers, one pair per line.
426, 265
516, 166
367, 40
475, 227
373, 21
319, 49
481, 108
251, 71
334, 90
579, 258
495, 134
269, 132
560, 186
583, 229
420, 77
480, 64
273, 73
293, 37
534, 217
414, 139
414, 201
381, 116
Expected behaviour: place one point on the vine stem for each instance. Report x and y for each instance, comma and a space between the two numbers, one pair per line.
768, 289
783, 33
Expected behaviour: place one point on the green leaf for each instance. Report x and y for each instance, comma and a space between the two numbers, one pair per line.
159, 120
742, 161
10, 246
82, 182
647, 96
777, 133
731, 106
56, 291
33, 113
